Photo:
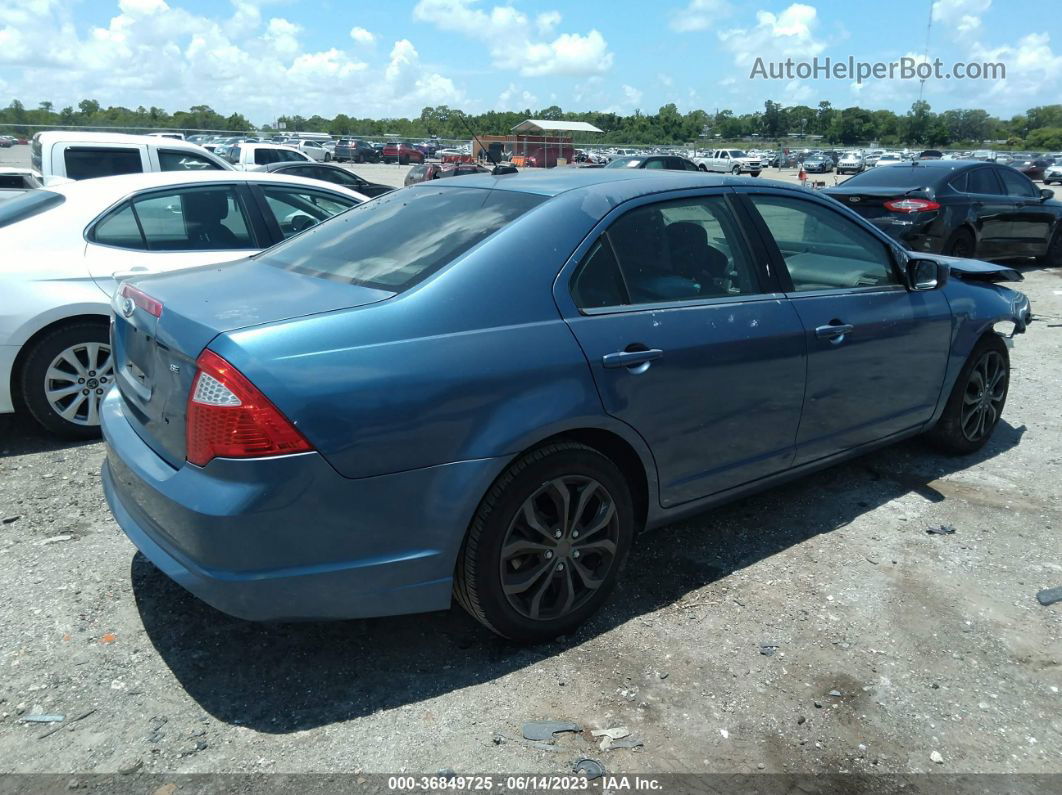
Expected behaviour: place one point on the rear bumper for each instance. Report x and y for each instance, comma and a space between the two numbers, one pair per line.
289, 538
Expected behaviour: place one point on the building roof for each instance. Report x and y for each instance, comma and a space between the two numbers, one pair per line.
544, 125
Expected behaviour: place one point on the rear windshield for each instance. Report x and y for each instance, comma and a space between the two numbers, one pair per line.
28, 205
395, 241
898, 177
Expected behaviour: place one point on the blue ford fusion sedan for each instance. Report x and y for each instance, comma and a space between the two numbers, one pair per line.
483, 387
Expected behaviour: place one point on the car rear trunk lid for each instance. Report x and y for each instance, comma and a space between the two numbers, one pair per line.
155, 357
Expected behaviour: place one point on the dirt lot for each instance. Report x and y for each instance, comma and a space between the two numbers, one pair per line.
817, 627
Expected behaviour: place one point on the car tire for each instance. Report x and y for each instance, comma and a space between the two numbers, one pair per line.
977, 399
1053, 257
736, 171
67, 372
960, 244
515, 529
327, 157
703, 168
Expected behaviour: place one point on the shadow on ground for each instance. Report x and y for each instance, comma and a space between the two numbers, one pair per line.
285, 678
20, 435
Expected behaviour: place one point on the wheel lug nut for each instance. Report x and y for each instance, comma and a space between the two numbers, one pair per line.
556, 533
99, 391
560, 567
84, 391
92, 373
81, 380
575, 553
549, 554
575, 533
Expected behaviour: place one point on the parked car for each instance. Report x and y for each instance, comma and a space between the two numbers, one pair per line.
329, 172
631, 298
86, 155
401, 154
69, 245
16, 181
6, 141
315, 150
889, 159
817, 164
1053, 172
931, 154
356, 151
784, 160
249, 156
1033, 168
425, 172
534, 156
961, 208
734, 161
666, 162
850, 163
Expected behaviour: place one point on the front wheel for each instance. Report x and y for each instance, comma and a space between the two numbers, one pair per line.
977, 399
65, 376
547, 544
961, 244
703, 167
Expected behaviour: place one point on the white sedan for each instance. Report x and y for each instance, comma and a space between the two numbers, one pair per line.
67, 247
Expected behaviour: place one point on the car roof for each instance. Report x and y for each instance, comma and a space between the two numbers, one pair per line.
114, 188
55, 136
637, 182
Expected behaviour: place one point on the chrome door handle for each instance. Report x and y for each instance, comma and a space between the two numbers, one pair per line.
833, 331
630, 358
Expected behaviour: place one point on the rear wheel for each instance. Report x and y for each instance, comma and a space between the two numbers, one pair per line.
547, 544
1053, 257
961, 244
65, 376
977, 399
736, 170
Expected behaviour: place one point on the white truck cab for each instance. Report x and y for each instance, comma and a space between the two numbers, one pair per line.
84, 155
733, 161
252, 156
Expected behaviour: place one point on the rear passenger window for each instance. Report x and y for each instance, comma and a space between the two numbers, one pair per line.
822, 249
85, 162
982, 180
120, 229
192, 219
185, 161
672, 251
263, 157
959, 182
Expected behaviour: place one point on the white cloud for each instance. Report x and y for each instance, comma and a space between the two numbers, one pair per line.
513, 98
776, 36
699, 15
362, 36
633, 95
664, 79
151, 53
507, 33
961, 17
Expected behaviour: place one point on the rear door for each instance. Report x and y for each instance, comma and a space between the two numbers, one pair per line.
993, 211
877, 352
172, 228
1031, 220
688, 341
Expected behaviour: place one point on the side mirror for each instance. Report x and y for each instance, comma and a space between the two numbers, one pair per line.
926, 274
1046, 193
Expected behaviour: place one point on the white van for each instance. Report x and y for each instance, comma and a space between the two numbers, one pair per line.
84, 155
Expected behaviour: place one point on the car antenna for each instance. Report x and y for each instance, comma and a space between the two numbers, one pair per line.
498, 169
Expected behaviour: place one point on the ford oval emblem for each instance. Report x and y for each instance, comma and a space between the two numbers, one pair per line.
128, 307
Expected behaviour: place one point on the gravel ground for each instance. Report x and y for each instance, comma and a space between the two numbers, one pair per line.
814, 628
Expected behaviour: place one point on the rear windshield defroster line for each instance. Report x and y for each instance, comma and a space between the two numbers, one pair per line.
401, 238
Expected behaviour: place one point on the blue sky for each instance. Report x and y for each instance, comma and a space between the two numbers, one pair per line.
388, 58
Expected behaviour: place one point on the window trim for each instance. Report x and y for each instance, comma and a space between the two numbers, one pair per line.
775, 254
253, 224
562, 287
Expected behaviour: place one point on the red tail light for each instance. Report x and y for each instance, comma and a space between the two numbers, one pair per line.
228, 417
909, 205
141, 299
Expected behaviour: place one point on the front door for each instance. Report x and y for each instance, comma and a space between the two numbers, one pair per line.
688, 346
877, 353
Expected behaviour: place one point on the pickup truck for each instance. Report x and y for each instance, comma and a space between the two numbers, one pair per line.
84, 155
252, 156
733, 161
